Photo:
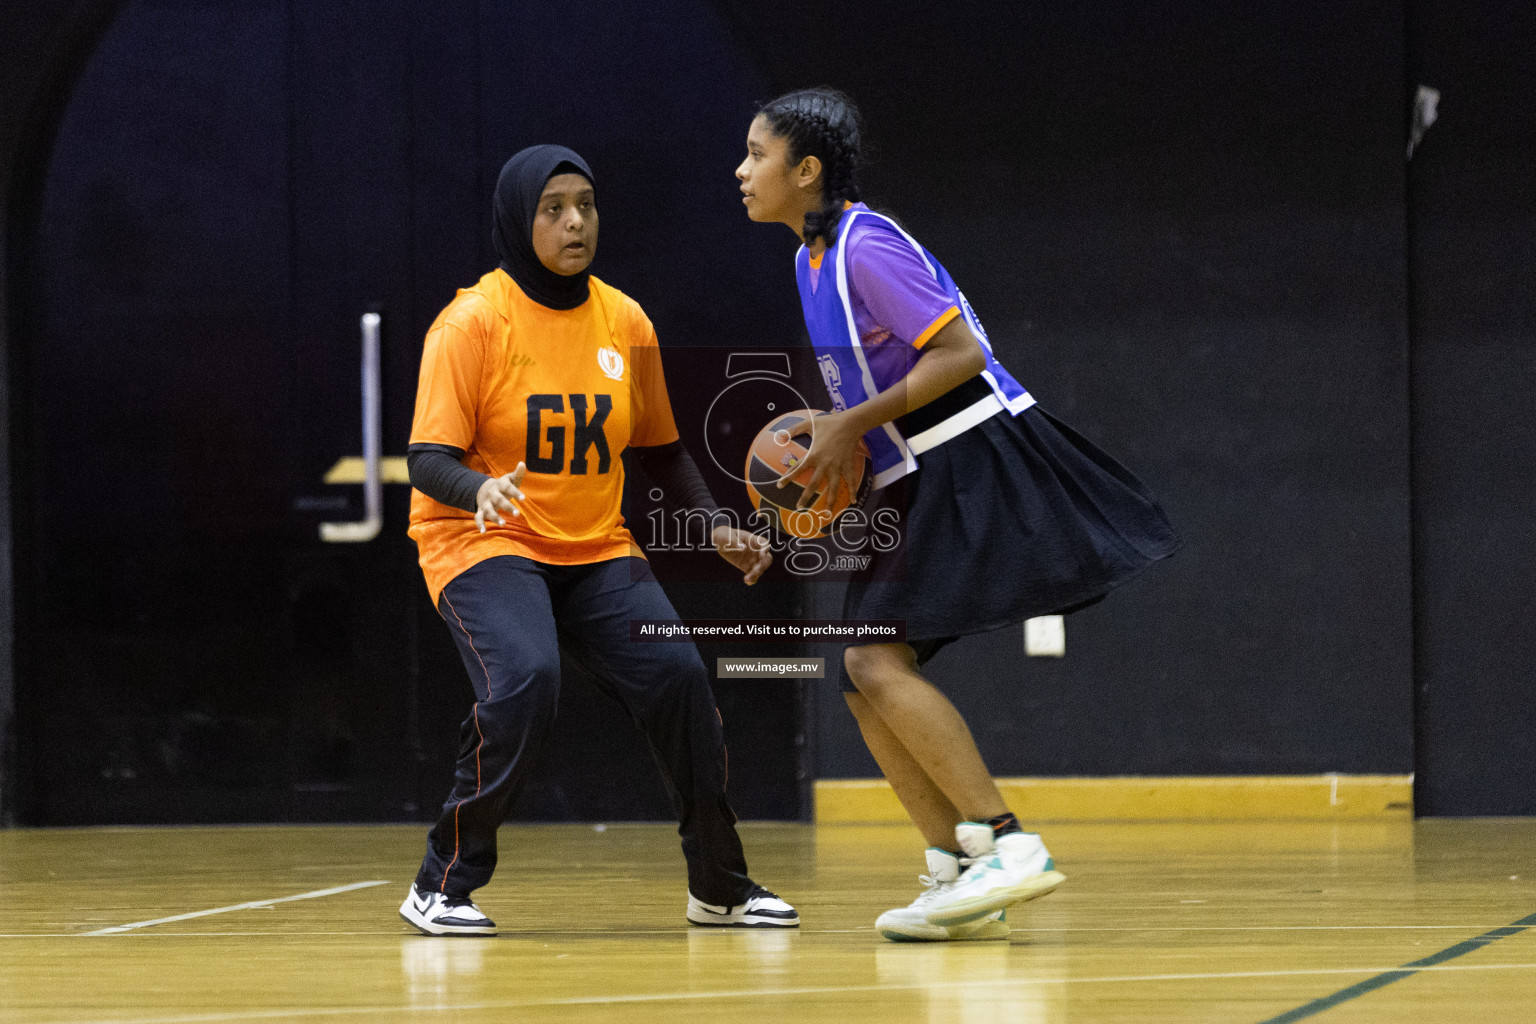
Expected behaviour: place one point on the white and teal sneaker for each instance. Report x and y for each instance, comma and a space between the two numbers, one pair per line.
910, 923
996, 873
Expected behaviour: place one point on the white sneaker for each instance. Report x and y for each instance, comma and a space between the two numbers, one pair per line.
997, 873
761, 910
440, 914
910, 923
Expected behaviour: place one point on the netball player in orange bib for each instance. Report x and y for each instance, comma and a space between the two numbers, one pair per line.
533, 382
1009, 513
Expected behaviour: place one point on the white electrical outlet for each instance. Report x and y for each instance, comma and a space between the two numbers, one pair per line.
1045, 637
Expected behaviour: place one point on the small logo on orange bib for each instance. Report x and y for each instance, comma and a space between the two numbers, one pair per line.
611, 363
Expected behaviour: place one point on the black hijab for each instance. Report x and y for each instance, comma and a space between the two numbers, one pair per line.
521, 182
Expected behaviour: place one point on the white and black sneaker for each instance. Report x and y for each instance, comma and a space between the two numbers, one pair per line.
437, 913
761, 910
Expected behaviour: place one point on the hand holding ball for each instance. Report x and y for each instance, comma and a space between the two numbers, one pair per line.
777, 449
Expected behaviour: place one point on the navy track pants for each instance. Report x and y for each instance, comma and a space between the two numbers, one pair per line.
509, 616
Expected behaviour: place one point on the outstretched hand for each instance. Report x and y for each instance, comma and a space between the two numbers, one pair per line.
748, 552
497, 495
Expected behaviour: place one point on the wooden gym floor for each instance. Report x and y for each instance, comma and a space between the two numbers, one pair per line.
1395, 921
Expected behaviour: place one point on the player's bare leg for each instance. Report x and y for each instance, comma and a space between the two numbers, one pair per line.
927, 726
935, 817
1003, 869
934, 814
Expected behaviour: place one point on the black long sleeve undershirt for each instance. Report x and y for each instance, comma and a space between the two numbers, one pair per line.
672, 469
437, 472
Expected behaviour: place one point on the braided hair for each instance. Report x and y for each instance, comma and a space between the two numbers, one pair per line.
823, 123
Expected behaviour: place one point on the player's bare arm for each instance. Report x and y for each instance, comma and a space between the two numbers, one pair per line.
951, 357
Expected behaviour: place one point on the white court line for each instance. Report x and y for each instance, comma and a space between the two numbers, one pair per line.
602, 932
404, 934
253, 905
1268, 928
755, 993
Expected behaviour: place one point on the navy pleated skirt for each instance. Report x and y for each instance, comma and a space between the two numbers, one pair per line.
1017, 517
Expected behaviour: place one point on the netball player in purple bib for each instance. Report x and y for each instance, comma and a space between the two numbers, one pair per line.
1009, 513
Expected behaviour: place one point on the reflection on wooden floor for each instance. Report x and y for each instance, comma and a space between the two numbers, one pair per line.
1242, 922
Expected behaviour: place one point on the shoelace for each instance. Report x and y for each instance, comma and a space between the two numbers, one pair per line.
935, 889
453, 902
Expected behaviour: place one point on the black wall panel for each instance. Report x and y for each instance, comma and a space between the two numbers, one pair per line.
1472, 199
209, 231
1183, 229
41, 53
